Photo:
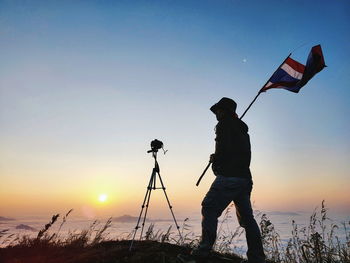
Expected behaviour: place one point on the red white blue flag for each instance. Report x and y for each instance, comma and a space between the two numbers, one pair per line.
292, 75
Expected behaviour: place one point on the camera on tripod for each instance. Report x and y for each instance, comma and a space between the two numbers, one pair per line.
155, 145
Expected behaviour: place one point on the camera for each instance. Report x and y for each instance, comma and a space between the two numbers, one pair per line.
156, 145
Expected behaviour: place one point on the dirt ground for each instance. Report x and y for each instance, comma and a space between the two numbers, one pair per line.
104, 252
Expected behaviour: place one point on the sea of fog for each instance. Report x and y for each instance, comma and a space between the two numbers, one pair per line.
118, 230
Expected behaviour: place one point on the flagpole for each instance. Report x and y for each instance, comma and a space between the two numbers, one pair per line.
263, 86
251, 104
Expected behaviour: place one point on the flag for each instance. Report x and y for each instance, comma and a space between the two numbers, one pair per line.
315, 63
292, 75
286, 76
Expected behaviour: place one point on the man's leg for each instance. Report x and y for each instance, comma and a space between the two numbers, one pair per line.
213, 204
246, 220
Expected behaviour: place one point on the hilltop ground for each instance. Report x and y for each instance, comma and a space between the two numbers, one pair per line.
104, 252
317, 242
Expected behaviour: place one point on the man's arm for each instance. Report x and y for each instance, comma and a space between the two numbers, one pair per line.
222, 143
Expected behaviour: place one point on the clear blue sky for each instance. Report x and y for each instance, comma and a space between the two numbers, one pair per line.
86, 85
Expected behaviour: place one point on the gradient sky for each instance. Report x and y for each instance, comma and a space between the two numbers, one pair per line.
86, 85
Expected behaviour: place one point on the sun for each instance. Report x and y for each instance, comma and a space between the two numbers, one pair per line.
102, 198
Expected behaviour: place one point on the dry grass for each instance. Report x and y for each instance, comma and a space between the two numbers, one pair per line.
316, 243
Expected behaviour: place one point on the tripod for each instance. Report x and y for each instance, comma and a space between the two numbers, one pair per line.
152, 186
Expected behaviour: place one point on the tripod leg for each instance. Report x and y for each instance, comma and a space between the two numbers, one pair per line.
148, 199
170, 206
147, 196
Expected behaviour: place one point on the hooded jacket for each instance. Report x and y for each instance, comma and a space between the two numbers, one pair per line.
232, 149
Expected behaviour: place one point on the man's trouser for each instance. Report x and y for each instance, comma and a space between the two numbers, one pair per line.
221, 193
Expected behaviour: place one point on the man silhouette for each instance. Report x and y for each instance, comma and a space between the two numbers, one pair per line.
230, 164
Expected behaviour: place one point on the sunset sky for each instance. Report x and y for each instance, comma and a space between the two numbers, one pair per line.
85, 86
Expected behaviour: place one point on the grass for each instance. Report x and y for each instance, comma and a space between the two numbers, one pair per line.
316, 243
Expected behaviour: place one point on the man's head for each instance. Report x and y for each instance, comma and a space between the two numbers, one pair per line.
225, 107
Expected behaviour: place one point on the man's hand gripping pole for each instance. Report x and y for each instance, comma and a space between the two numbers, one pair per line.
205, 170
